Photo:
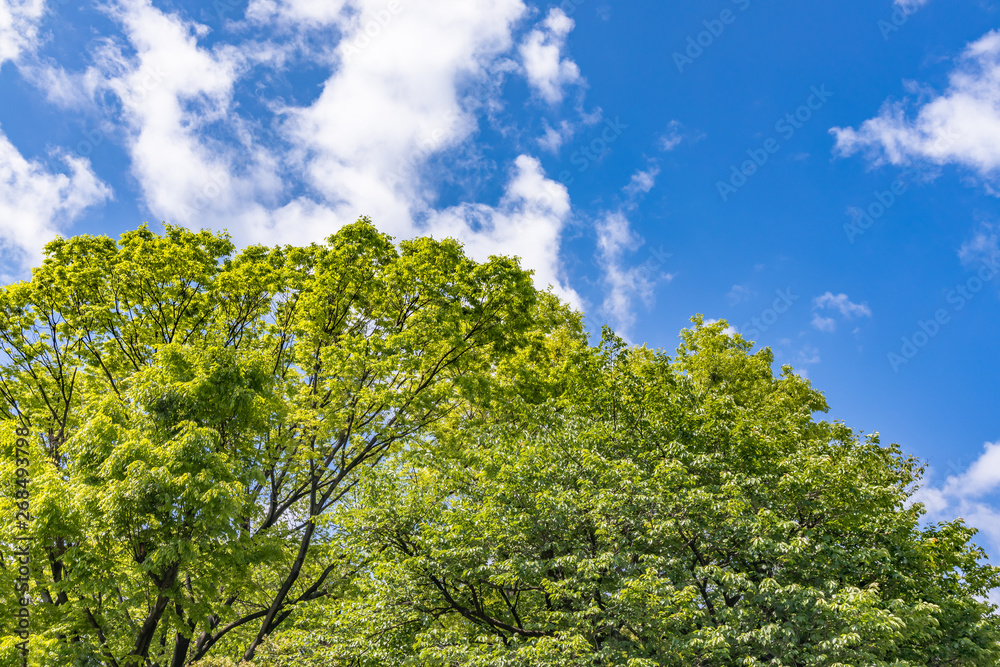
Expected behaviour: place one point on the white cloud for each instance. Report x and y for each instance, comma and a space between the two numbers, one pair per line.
983, 246
555, 137
19, 20
614, 239
842, 303
960, 126
825, 324
402, 97
399, 98
36, 204
67, 90
672, 138
402, 100
642, 182
982, 477
174, 96
310, 13
541, 55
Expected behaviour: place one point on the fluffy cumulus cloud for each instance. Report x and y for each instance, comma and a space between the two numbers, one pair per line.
404, 88
36, 202
398, 102
958, 126
174, 97
405, 85
838, 303
542, 57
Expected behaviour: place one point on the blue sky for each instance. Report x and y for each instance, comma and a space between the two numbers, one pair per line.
823, 175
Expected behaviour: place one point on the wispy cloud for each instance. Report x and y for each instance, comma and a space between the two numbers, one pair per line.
642, 181
615, 239
983, 246
839, 303
671, 137
554, 137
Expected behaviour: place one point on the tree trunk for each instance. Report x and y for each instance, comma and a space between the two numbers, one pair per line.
145, 637
279, 599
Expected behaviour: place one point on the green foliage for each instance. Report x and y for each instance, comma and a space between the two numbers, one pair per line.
686, 511
366, 454
196, 416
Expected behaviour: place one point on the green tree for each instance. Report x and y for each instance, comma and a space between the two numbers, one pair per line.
653, 511
197, 415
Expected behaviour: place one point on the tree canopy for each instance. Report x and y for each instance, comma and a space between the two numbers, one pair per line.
195, 414
364, 454
685, 511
